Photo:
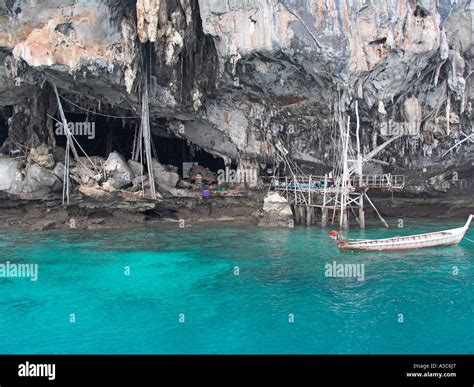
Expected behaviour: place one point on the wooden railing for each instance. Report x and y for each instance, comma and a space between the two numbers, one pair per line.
319, 183
387, 181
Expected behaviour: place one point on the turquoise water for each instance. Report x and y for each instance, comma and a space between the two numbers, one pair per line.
191, 271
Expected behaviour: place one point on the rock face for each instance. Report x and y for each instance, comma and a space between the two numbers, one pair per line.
136, 167
118, 171
40, 182
234, 77
276, 212
166, 176
10, 176
82, 175
42, 156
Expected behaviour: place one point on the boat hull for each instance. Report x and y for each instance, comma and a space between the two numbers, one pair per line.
412, 242
393, 249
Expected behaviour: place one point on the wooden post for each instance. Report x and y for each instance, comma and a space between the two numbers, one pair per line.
361, 211
309, 189
309, 215
324, 216
345, 219
325, 189
302, 214
297, 214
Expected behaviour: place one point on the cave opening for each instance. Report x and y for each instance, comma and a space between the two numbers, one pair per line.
378, 41
4, 124
176, 151
98, 136
420, 12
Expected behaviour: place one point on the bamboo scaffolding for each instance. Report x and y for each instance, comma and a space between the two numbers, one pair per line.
65, 124
457, 144
359, 156
347, 192
343, 221
69, 146
146, 136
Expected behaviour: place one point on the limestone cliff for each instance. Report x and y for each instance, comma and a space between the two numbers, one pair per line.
234, 76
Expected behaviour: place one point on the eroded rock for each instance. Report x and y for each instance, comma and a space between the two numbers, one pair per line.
42, 156
11, 176
120, 174
44, 225
276, 212
233, 77
166, 176
40, 182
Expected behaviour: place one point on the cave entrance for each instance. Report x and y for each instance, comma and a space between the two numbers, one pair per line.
98, 135
176, 151
3, 125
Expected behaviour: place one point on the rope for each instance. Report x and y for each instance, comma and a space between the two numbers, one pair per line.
470, 240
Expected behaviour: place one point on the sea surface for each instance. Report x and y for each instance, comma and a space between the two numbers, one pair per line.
231, 288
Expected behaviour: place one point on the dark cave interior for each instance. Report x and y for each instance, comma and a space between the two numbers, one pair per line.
99, 136
4, 114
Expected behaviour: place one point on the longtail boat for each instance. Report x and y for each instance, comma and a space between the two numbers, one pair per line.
410, 242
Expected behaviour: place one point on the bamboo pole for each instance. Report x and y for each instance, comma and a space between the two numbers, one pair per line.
65, 123
134, 145
448, 108
66, 174
145, 122
324, 210
355, 215
457, 144
309, 189
359, 156
361, 211
373, 153
80, 148
69, 146
378, 213
343, 220
141, 162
